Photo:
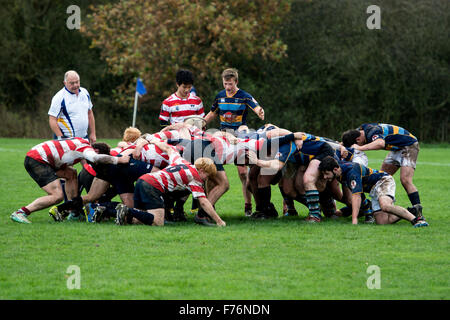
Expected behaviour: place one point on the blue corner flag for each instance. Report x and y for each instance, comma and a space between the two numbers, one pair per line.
140, 88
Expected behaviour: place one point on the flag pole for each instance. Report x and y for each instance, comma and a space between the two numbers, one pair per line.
136, 96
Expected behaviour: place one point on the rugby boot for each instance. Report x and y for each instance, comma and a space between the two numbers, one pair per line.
416, 210
313, 218
55, 214
418, 223
98, 213
179, 216
122, 214
205, 221
20, 217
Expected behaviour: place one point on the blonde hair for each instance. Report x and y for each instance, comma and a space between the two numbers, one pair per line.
131, 134
207, 165
230, 73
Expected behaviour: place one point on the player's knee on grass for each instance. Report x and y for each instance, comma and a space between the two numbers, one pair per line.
158, 217
385, 203
381, 217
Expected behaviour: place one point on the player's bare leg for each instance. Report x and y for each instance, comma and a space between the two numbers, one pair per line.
54, 195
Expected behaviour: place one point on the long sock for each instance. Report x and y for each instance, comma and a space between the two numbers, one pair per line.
288, 200
63, 186
312, 200
143, 216
179, 205
25, 210
414, 198
264, 195
346, 211
302, 199
194, 204
74, 204
110, 208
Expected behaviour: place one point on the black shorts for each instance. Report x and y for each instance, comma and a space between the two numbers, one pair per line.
147, 197
84, 180
42, 173
200, 148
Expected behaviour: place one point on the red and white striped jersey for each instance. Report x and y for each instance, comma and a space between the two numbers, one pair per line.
168, 134
58, 153
179, 175
175, 109
231, 152
155, 156
117, 150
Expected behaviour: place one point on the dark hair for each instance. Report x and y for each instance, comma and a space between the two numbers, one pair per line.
349, 137
103, 148
328, 164
184, 77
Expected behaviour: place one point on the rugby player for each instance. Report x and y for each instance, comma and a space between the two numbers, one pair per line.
183, 103
380, 185
232, 105
404, 150
51, 160
179, 175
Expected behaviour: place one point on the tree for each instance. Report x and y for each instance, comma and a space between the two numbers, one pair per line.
152, 39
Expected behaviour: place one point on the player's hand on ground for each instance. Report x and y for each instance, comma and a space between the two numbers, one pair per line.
221, 223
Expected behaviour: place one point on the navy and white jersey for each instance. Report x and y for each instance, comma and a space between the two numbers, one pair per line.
71, 111
359, 178
395, 137
233, 110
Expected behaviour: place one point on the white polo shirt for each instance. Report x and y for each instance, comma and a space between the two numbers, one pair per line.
72, 112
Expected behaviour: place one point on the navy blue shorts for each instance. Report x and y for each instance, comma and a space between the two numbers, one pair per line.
123, 176
147, 197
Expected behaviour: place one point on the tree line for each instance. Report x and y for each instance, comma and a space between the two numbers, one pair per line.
312, 64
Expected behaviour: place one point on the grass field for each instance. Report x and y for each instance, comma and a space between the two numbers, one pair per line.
281, 259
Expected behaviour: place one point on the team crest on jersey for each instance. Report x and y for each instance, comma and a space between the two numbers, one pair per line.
375, 137
177, 108
222, 100
353, 184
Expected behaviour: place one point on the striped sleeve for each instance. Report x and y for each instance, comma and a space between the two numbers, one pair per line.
197, 190
165, 112
201, 111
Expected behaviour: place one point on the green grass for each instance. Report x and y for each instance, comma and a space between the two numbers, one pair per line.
282, 259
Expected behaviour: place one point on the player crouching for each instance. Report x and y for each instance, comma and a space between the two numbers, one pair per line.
380, 185
179, 175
